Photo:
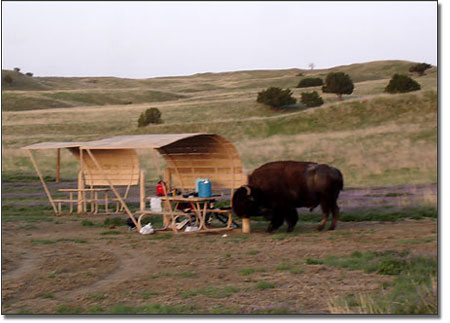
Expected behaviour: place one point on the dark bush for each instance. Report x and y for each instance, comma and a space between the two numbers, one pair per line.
151, 115
419, 68
310, 81
311, 99
7, 79
276, 97
338, 83
29, 74
16, 69
401, 84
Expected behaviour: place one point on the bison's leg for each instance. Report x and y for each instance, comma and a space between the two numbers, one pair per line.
291, 219
277, 221
325, 212
335, 217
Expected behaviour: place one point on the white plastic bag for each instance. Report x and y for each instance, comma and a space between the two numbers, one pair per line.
189, 229
147, 229
155, 204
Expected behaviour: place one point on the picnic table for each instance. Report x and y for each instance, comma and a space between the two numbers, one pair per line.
199, 208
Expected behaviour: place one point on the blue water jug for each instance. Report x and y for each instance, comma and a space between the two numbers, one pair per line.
204, 188
197, 183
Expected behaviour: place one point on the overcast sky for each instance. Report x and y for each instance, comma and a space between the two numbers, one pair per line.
148, 39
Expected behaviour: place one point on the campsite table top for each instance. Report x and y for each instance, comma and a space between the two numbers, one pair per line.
188, 199
84, 189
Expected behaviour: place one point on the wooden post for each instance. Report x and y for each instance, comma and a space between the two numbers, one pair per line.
58, 164
168, 207
142, 190
80, 192
245, 225
49, 196
127, 210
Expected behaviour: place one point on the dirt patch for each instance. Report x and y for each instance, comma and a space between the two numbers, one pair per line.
195, 269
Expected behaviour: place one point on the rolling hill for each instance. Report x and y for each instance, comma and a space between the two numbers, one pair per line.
375, 138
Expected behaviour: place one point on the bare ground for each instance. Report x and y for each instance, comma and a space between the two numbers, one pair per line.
49, 265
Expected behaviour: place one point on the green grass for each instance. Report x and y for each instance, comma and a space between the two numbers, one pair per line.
110, 232
48, 241
249, 271
211, 292
263, 285
69, 310
411, 291
47, 296
415, 213
116, 221
12, 101
416, 241
122, 309
149, 293
161, 236
97, 297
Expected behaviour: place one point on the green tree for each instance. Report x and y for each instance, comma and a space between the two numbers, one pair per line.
401, 84
338, 83
7, 79
310, 81
311, 99
419, 68
151, 115
276, 97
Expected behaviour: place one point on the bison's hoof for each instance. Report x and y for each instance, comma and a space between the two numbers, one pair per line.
320, 228
331, 228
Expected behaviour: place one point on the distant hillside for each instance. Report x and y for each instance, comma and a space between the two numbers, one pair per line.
373, 137
30, 93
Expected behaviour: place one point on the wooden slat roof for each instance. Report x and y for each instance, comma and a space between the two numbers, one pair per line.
53, 145
138, 141
120, 142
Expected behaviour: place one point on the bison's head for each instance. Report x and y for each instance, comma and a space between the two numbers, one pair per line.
246, 202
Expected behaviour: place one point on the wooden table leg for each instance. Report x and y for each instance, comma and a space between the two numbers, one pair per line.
106, 202
71, 204
96, 202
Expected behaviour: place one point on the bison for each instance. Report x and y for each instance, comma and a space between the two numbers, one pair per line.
276, 189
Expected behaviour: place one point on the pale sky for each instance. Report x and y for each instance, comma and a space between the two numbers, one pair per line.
149, 39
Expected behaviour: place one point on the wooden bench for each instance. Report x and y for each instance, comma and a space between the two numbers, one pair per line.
81, 198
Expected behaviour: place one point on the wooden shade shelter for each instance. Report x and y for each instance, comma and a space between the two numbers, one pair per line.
114, 161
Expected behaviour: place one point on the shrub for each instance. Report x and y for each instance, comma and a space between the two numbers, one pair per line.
401, 84
276, 97
311, 99
310, 81
338, 83
152, 115
7, 79
419, 68
29, 74
16, 69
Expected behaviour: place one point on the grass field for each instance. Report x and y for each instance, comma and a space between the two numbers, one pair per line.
374, 138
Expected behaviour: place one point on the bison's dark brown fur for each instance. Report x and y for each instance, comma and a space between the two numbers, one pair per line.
276, 189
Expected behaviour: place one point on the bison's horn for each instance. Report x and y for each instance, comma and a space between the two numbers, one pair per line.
248, 189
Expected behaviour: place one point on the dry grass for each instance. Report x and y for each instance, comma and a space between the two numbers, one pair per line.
374, 138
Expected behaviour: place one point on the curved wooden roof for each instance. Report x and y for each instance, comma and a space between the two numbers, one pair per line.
188, 156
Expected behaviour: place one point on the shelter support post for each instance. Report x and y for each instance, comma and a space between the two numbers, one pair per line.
142, 190
80, 205
166, 218
116, 193
58, 164
49, 196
